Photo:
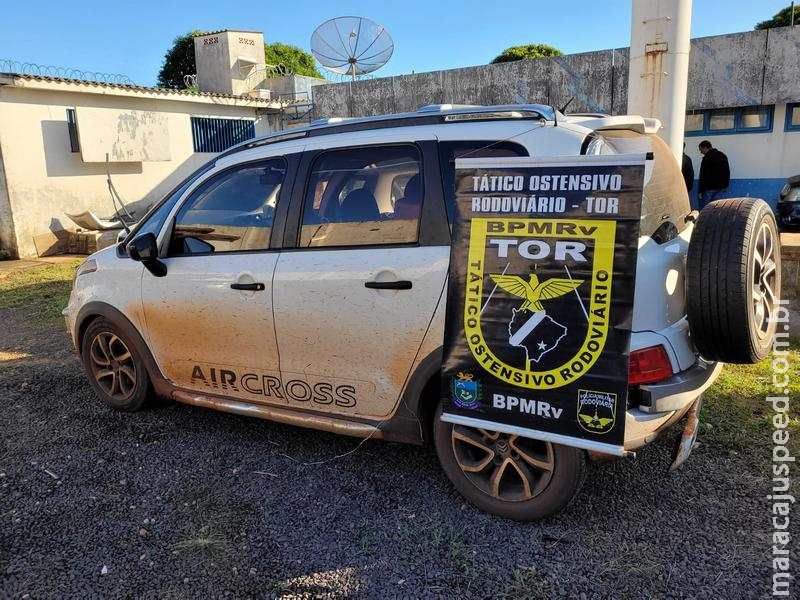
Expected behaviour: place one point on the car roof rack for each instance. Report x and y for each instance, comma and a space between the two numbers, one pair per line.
431, 114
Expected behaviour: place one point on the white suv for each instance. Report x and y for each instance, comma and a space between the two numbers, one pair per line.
301, 277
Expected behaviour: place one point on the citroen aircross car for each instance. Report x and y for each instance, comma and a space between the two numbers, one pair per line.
301, 277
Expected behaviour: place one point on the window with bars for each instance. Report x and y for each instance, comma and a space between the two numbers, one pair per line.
216, 135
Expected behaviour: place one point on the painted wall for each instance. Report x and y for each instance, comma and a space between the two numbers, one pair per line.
8, 238
122, 135
759, 162
45, 180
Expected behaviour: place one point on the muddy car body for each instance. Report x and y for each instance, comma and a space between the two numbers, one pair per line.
301, 278
788, 207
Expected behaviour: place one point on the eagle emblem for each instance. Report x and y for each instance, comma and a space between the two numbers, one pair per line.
534, 291
596, 422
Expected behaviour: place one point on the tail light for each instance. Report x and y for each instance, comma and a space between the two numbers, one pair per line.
649, 365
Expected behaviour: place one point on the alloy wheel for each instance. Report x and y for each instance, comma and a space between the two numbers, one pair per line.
507, 467
764, 279
112, 366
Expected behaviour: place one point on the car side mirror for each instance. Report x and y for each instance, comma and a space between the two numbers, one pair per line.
145, 250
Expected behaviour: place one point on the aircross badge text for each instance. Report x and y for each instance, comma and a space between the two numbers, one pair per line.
540, 239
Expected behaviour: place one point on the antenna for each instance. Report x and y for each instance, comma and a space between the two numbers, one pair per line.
351, 46
563, 108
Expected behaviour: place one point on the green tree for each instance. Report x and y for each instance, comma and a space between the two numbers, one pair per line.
781, 19
527, 52
178, 61
297, 61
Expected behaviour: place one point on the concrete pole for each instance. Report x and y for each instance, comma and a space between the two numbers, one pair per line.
659, 65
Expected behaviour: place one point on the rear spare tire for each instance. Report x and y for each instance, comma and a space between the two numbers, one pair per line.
733, 280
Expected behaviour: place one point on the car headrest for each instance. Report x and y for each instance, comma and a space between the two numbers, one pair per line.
359, 205
408, 207
413, 190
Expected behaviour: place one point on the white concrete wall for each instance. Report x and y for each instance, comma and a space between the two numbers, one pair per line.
44, 179
759, 161
122, 135
8, 239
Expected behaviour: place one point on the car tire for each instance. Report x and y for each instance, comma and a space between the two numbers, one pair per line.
733, 271
489, 470
116, 370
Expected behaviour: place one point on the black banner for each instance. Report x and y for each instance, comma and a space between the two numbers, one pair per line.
540, 296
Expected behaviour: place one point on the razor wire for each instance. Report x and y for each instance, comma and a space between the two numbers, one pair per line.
54, 72
346, 77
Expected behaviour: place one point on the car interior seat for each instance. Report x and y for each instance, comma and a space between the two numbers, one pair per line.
408, 207
359, 205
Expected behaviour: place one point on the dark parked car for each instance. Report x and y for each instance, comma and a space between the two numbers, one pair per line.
789, 203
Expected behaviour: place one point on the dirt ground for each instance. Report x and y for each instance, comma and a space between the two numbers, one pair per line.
180, 502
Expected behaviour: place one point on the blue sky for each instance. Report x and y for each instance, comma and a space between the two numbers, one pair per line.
131, 37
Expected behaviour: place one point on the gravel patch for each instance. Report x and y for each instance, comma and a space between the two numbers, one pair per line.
180, 502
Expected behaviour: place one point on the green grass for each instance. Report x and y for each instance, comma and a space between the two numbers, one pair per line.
41, 290
527, 583
203, 540
735, 413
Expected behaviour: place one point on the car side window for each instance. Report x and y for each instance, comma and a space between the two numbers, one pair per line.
156, 216
231, 212
450, 151
363, 196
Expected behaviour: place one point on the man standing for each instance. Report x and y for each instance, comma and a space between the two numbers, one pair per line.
715, 174
687, 168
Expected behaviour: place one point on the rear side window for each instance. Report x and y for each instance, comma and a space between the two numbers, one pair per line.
231, 212
363, 196
450, 151
665, 202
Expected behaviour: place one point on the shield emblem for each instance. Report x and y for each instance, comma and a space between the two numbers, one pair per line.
465, 392
538, 296
596, 411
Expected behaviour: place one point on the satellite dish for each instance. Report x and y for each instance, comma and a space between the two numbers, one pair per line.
351, 46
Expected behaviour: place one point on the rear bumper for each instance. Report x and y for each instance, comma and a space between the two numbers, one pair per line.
679, 390
663, 404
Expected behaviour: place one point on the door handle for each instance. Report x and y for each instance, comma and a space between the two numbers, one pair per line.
388, 285
251, 287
